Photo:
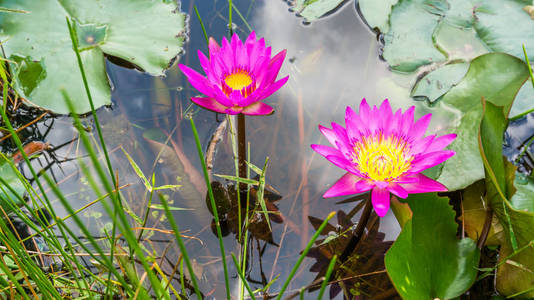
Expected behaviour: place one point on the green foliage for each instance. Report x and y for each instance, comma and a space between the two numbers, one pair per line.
427, 261
12, 187
377, 13
437, 83
515, 273
495, 76
38, 43
312, 10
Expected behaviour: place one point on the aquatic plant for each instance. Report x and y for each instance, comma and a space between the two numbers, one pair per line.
238, 76
383, 152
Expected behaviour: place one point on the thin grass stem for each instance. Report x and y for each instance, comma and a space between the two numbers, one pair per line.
203, 28
242, 277
181, 245
327, 277
303, 254
213, 205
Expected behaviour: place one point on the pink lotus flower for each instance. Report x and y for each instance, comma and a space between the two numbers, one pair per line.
239, 75
383, 152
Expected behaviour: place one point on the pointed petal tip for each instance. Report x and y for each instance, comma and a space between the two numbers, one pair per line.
380, 201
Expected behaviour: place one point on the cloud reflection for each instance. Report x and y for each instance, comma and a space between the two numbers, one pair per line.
332, 63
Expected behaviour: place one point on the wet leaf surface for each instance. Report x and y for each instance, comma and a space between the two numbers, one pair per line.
495, 76
515, 275
427, 260
312, 10
148, 34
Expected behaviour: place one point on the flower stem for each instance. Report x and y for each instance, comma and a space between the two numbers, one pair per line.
242, 149
358, 232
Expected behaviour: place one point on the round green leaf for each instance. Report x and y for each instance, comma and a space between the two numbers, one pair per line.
495, 76
435, 84
427, 261
148, 34
408, 44
312, 10
377, 13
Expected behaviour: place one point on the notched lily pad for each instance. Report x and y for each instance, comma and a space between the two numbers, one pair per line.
436, 83
148, 34
312, 10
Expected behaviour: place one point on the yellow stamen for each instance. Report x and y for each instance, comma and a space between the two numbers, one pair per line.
382, 159
238, 80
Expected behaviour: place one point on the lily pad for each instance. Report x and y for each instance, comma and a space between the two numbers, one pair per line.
435, 84
494, 76
147, 34
425, 32
312, 10
377, 13
408, 44
422, 266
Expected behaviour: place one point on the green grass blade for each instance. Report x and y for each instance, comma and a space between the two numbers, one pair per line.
327, 277
181, 245
213, 205
203, 28
242, 277
303, 254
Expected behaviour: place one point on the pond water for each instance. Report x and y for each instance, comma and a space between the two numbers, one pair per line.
332, 63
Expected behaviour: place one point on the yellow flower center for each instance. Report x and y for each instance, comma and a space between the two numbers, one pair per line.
382, 158
238, 80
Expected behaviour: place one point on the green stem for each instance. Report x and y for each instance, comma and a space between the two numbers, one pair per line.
213, 205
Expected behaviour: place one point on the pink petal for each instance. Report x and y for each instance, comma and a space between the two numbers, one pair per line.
428, 160
441, 142
329, 134
348, 184
213, 47
354, 125
210, 104
340, 161
423, 185
234, 110
198, 81
204, 61
258, 108
325, 150
274, 66
364, 111
251, 39
397, 190
268, 91
406, 121
421, 145
222, 98
386, 115
419, 128
380, 201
